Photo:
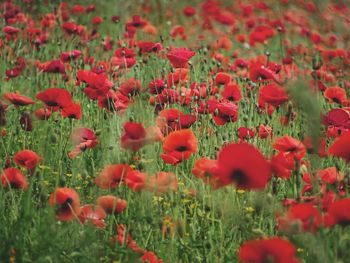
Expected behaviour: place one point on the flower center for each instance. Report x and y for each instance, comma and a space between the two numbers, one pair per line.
238, 176
181, 148
336, 100
67, 204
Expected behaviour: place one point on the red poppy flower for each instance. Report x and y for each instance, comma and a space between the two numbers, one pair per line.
336, 95
199, 91
179, 57
162, 182
124, 52
55, 98
178, 31
240, 63
290, 145
12, 177
10, 30
123, 62
223, 112
125, 239
82, 138
265, 131
150, 257
52, 66
173, 119
260, 34
112, 175
70, 55
97, 84
258, 72
272, 94
17, 99
137, 21
136, 136
70, 27
300, 217
179, 146
67, 202
113, 102
235, 166
112, 204
149, 47
27, 159
274, 249
180, 76
169, 96
206, 170
232, 92
96, 20
107, 43
13, 73
329, 175
187, 96
340, 147
78, 9
189, 11
338, 213
156, 86
42, 113
130, 87
337, 118
222, 78
124, 58
92, 214
282, 165
335, 132
245, 133
136, 180
72, 111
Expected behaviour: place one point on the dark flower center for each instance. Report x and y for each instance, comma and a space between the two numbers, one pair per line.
336, 100
181, 148
292, 149
67, 204
15, 185
52, 103
238, 176
269, 259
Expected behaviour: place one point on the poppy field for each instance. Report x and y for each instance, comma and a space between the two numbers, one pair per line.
175, 131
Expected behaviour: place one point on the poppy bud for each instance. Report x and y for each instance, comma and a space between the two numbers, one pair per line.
53, 138
26, 122
7, 162
116, 19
